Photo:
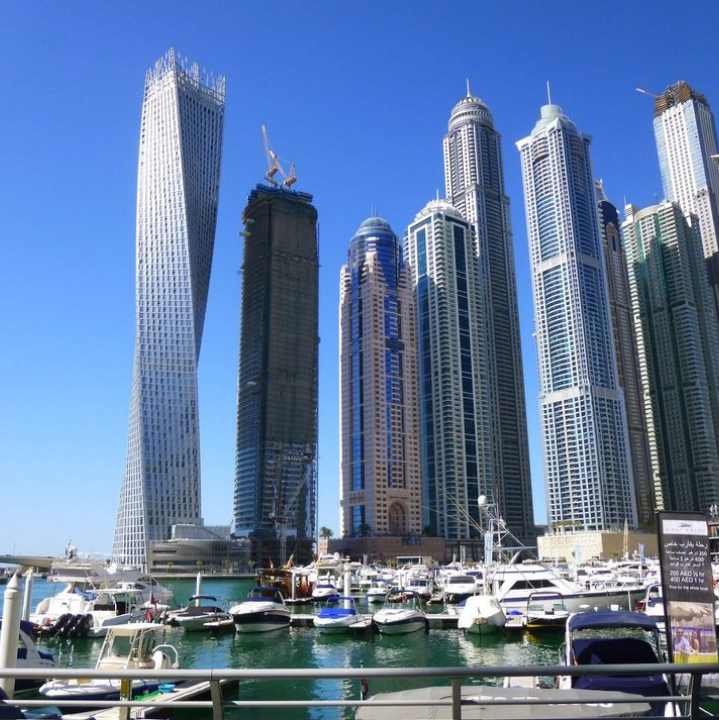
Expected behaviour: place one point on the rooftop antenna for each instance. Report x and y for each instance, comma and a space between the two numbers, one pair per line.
549, 94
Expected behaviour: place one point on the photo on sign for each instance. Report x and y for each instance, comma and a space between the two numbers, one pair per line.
693, 632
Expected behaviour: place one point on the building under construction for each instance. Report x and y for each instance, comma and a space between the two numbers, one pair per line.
275, 498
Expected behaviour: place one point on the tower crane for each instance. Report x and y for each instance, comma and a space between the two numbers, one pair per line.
274, 166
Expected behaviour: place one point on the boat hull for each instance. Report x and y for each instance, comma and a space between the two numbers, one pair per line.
400, 626
92, 692
261, 620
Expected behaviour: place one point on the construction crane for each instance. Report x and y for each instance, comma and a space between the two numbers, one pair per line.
274, 166
646, 92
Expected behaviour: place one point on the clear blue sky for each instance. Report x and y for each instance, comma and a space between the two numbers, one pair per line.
358, 95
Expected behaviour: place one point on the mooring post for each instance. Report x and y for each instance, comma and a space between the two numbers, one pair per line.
27, 594
10, 633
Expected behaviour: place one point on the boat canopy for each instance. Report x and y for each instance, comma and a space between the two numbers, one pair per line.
610, 619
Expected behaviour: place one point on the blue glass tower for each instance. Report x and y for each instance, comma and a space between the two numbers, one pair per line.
380, 484
583, 418
454, 397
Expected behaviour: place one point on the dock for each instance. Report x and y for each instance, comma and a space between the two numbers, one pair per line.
435, 621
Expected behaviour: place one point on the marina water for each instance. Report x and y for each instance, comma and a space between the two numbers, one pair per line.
307, 648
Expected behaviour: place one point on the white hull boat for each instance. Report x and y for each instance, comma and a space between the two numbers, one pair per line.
481, 615
30, 657
399, 618
337, 616
126, 647
195, 617
263, 610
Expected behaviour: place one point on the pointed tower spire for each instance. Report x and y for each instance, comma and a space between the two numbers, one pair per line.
469, 94
549, 94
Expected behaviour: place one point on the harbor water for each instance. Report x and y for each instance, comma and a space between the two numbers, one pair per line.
305, 647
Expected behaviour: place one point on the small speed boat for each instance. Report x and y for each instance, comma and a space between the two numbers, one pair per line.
126, 647
200, 610
400, 614
30, 657
481, 615
338, 615
545, 611
263, 610
615, 638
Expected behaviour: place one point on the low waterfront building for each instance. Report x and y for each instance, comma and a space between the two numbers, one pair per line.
197, 548
582, 546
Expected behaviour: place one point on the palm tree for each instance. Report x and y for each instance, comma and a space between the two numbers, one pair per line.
326, 533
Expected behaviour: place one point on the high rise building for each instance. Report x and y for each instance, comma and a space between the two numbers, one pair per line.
178, 186
625, 345
275, 499
474, 183
380, 491
441, 252
678, 348
583, 418
686, 141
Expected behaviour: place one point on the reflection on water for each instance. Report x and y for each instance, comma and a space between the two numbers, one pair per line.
306, 648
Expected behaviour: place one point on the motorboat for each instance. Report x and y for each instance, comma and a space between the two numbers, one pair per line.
114, 606
481, 615
398, 618
423, 585
324, 588
514, 583
376, 592
30, 657
337, 615
126, 647
653, 604
545, 611
615, 638
95, 594
459, 587
200, 610
262, 610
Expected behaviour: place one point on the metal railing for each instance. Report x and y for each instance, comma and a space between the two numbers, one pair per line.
221, 685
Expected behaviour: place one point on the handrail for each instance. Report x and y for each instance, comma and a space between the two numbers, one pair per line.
688, 703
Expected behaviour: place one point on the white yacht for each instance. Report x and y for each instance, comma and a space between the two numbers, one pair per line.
481, 615
401, 613
263, 610
513, 584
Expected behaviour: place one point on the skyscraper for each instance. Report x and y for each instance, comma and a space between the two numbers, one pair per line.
275, 499
625, 343
686, 141
678, 348
178, 185
474, 181
454, 410
380, 491
584, 430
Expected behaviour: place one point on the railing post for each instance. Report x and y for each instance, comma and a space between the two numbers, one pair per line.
123, 713
695, 692
457, 699
218, 700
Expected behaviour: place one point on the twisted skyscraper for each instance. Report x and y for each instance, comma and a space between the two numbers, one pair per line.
177, 193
